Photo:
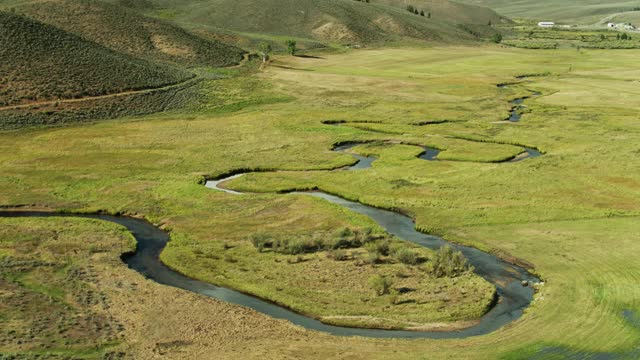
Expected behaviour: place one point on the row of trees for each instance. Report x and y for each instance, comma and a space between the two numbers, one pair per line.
414, 10
265, 49
623, 36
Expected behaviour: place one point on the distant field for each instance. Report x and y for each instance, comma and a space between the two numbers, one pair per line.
530, 36
572, 213
565, 11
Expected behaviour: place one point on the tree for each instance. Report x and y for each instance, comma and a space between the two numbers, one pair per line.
415, 11
265, 50
410, 8
497, 38
291, 47
429, 15
489, 23
421, 12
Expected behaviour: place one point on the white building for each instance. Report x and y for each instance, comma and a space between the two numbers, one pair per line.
546, 24
611, 25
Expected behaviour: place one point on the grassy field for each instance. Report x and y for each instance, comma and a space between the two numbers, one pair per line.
328, 284
52, 304
572, 212
528, 35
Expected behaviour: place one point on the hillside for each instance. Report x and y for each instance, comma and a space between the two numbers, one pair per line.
343, 21
450, 11
566, 11
125, 30
39, 62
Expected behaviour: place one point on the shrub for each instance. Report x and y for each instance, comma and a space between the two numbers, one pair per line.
345, 232
368, 236
407, 256
372, 258
291, 47
380, 284
394, 297
449, 263
339, 243
265, 50
297, 246
382, 247
338, 255
261, 241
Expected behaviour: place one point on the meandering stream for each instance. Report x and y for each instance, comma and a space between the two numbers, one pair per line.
428, 154
513, 296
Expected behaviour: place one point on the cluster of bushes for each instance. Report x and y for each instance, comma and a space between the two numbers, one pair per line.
623, 36
414, 10
378, 248
531, 44
612, 45
345, 238
448, 263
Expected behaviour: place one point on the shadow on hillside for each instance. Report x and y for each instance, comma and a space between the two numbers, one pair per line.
310, 57
289, 67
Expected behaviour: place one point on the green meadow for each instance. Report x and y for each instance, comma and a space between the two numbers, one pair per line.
571, 213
